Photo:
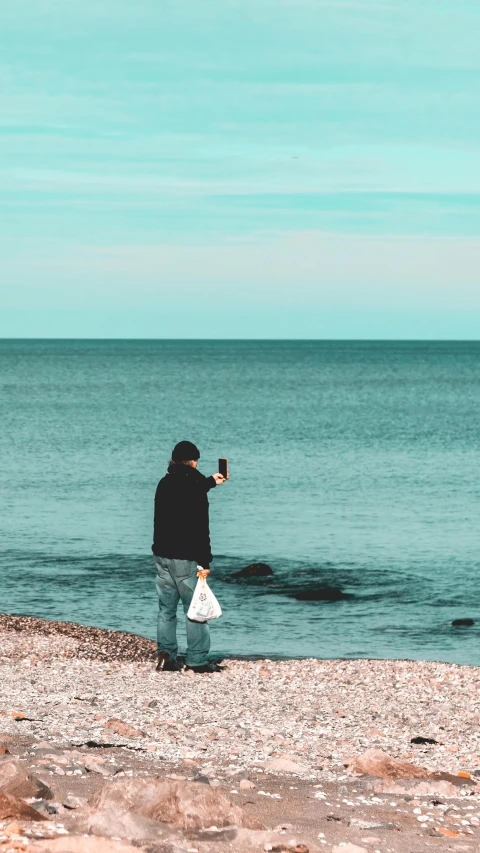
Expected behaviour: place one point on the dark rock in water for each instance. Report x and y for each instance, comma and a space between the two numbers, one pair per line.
254, 570
328, 593
463, 623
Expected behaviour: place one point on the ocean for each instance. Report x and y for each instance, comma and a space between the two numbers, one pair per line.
353, 466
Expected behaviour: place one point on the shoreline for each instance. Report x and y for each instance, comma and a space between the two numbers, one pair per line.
93, 642
136, 647
325, 747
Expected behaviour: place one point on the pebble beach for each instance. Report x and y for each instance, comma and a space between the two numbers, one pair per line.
283, 739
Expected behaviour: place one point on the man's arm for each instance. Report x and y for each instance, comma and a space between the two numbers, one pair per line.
214, 480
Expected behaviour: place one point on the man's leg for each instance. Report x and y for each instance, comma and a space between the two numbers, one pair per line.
168, 598
198, 633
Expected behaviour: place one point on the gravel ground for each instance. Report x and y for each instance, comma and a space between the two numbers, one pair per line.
88, 689
71, 681
89, 643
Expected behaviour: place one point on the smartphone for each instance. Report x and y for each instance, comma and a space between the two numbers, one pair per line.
223, 468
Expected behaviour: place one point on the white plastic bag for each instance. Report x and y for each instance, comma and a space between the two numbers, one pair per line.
204, 605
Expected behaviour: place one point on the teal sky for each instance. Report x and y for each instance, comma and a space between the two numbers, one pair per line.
264, 168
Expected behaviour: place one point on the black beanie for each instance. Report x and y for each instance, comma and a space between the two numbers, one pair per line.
185, 451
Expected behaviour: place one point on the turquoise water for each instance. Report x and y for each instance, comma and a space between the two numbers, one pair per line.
353, 465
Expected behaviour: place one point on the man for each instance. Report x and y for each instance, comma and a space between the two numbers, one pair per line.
181, 543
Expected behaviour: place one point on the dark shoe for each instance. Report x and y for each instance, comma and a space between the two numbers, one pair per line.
207, 667
166, 664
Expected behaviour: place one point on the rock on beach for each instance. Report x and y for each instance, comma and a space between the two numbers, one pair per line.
285, 765
186, 805
374, 762
14, 808
16, 780
122, 728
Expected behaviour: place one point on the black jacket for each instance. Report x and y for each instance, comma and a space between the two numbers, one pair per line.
180, 528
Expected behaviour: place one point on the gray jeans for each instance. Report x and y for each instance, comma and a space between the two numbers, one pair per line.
176, 581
